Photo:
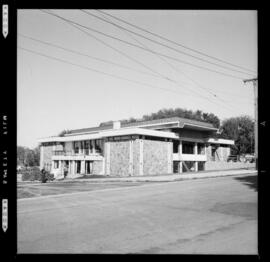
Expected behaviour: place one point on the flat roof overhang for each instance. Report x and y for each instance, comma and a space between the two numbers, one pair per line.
220, 141
112, 133
198, 127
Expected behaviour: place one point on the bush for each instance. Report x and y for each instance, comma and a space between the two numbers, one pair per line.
31, 174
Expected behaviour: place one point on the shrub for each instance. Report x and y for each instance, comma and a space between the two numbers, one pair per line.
31, 174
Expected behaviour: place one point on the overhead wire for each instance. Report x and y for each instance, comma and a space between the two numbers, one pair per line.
164, 45
134, 45
86, 55
177, 70
165, 77
174, 42
71, 23
98, 71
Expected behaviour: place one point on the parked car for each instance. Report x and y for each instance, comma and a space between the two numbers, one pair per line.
232, 158
249, 158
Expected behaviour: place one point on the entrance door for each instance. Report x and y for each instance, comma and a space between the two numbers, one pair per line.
78, 165
88, 167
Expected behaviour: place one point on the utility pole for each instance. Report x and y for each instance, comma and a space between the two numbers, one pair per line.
255, 87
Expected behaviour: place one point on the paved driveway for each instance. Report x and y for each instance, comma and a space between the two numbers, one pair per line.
216, 215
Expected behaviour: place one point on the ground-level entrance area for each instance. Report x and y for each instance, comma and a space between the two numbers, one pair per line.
188, 166
68, 168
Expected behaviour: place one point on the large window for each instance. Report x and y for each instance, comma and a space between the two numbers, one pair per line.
188, 148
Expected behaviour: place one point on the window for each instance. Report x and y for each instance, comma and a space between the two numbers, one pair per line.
78, 165
188, 166
201, 166
56, 164
201, 149
175, 146
176, 166
188, 148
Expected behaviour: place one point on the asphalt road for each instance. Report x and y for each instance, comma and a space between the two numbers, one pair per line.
203, 216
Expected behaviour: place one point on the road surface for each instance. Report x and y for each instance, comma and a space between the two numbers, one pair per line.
202, 216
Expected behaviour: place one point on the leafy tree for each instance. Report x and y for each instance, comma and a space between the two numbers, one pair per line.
241, 130
28, 157
177, 112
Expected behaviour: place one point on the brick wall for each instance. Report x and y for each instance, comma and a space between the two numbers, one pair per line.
155, 157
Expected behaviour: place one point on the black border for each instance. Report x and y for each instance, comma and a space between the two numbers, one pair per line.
8, 105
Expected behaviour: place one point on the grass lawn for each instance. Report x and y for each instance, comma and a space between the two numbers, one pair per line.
28, 190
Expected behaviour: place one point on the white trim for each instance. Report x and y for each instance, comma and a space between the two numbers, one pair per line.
141, 157
204, 127
118, 132
143, 125
220, 141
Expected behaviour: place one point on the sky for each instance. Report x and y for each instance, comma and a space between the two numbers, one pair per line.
69, 91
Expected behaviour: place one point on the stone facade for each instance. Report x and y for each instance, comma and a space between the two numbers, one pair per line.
98, 167
136, 157
46, 157
227, 165
155, 157
221, 153
119, 158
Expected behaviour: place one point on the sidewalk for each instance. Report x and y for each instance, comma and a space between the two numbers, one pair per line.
166, 178
157, 178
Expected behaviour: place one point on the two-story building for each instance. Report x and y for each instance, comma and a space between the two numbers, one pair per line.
163, 146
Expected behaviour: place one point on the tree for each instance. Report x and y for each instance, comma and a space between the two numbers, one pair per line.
170, 112
241, 130
27, 156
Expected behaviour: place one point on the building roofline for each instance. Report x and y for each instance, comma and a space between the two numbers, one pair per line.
182, 122
110, 133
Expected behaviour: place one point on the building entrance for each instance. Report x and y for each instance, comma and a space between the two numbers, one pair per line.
88, 167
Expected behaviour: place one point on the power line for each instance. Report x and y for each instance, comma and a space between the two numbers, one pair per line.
173, 42
158, 74
86, 55
164, 45
166, 78
174, 68
103, 42
98, 71
126, 42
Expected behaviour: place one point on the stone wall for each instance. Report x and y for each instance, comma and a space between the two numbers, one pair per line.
136, 157
221, 154
46, 157
98, 167
155, 157
119, 158
220, 165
